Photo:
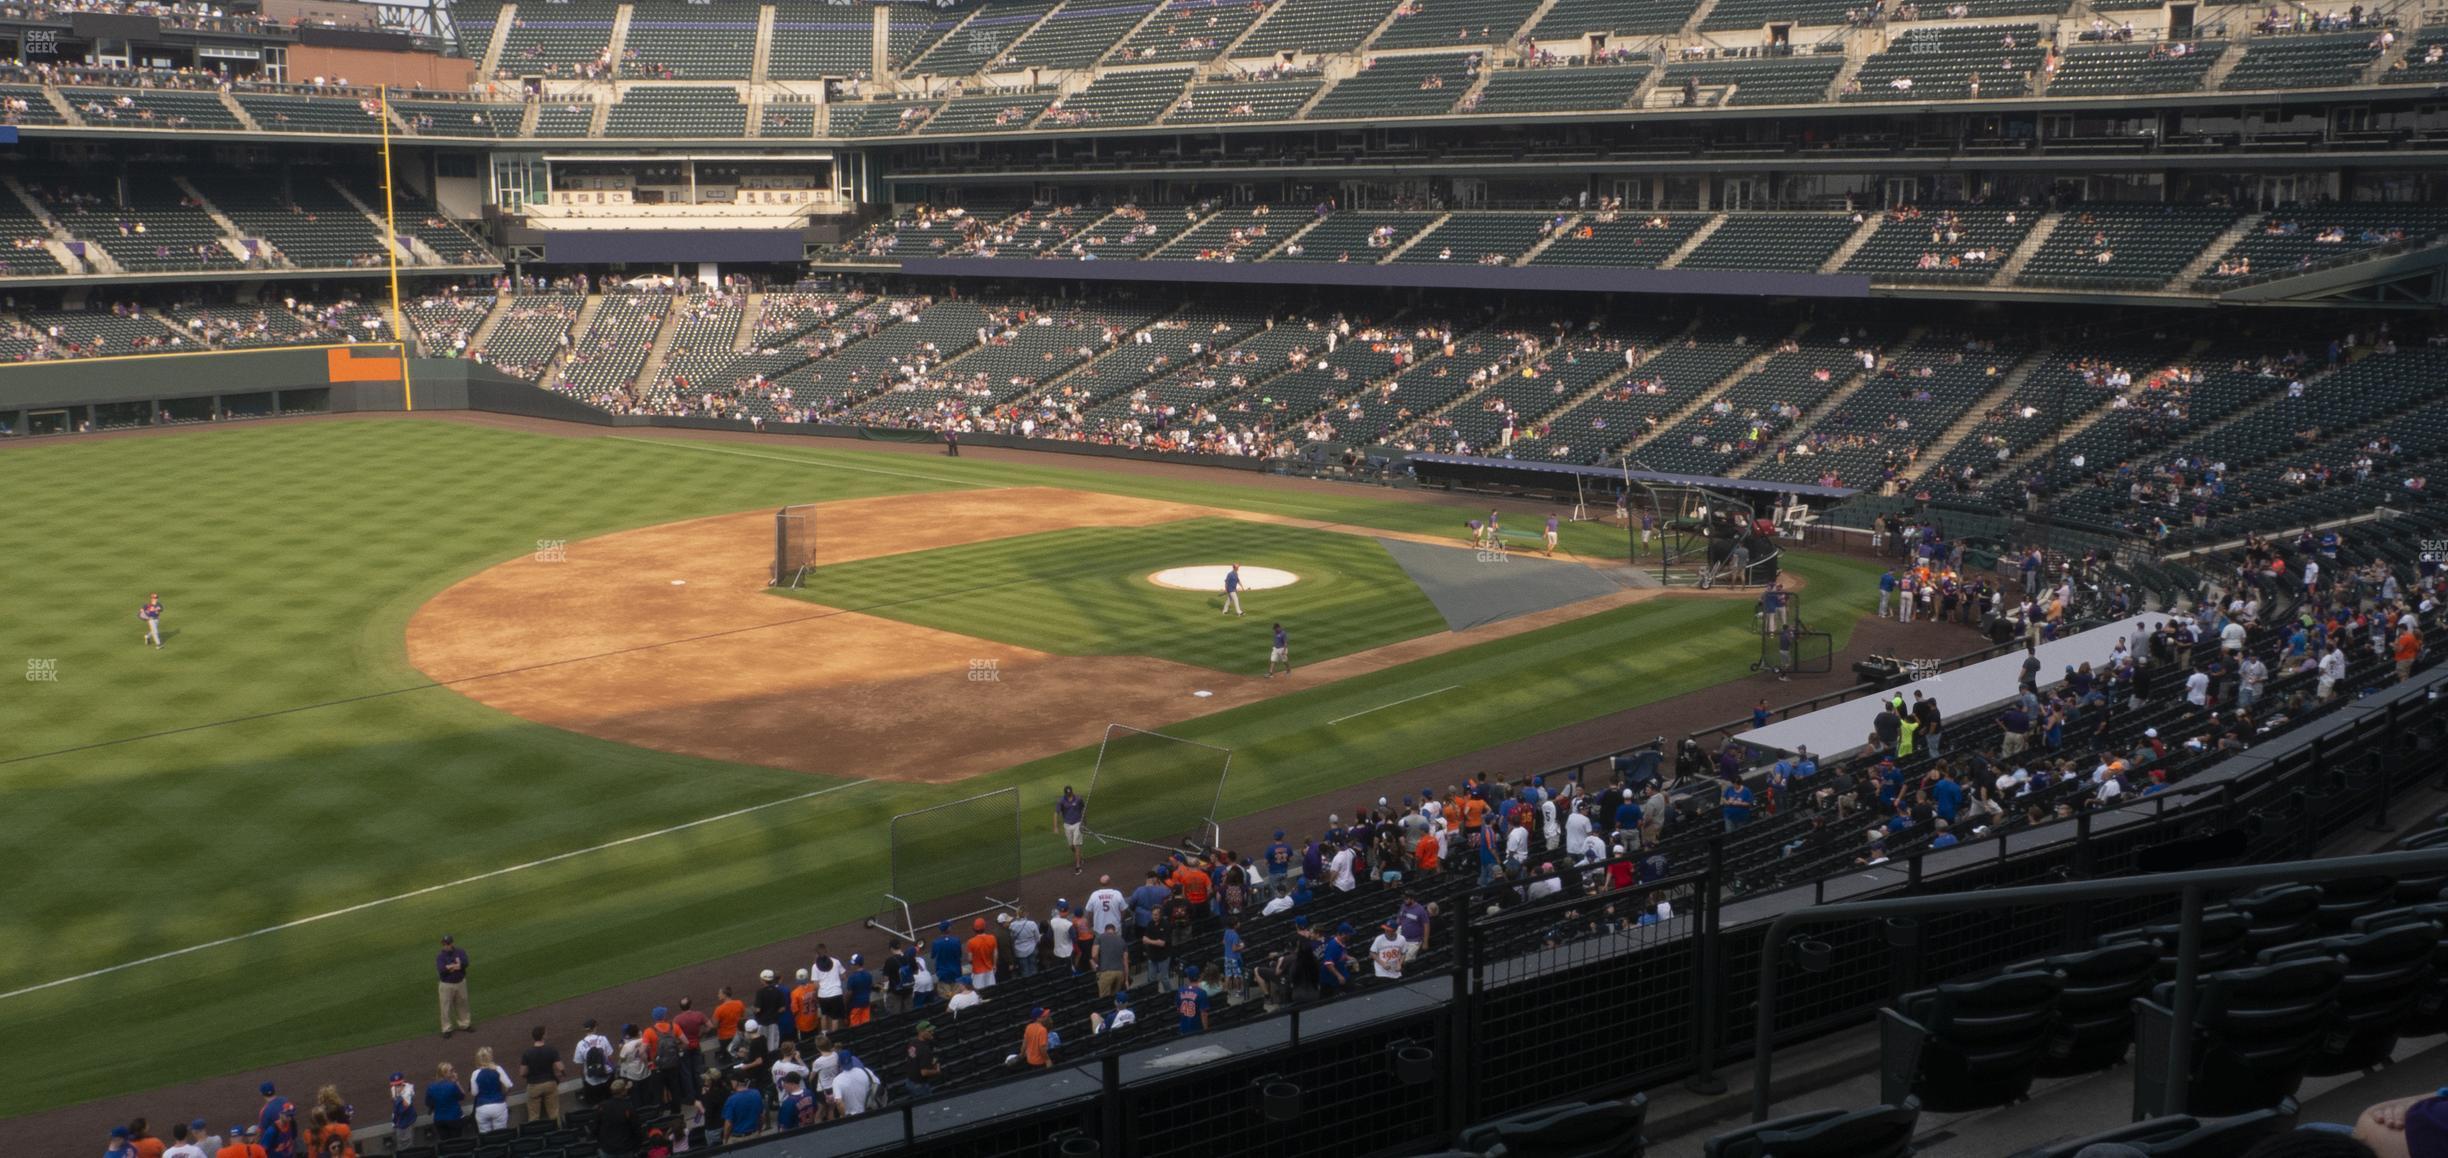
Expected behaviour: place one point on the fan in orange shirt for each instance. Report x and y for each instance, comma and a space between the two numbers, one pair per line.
1425, 853
983, 949
803, 1005
728, 1013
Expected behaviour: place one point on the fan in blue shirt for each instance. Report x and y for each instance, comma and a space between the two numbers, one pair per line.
743, 1112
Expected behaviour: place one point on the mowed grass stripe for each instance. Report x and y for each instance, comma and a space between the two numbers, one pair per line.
1084, 591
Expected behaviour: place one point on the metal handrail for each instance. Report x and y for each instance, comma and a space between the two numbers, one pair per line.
2192, 885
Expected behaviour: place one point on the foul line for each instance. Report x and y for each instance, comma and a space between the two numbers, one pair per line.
1378, 708
819, 464
413, 893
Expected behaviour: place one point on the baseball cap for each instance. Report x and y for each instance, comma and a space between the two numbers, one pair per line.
858, 958
399, 1077
765, 976
1279, 834
1122, 997
2153, 733
1002, 918
925, 1026
254, 1131
1062, 905
943, 926
662, 1011
751, 1026
265, 1089
1300, 922
198, 1126
1036, 1013
800, 976
1345, 927
119, 1131
979, 924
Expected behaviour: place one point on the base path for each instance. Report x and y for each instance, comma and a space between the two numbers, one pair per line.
666, 638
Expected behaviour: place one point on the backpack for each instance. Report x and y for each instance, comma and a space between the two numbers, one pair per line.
598, 1067
667, 1050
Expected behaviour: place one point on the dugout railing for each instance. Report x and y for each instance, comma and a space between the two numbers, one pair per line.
1577, 1009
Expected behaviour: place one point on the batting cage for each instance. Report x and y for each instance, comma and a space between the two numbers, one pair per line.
953, 862
794, 544
1787, 644
1156, 790
1709, 537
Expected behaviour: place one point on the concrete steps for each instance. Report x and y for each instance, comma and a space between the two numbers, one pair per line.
239, 111
1691, 243
1853, 244
1548, 240
1970, 420
2207, 259
500, 38
1416, 238
660, 348
2012, 267
764, 49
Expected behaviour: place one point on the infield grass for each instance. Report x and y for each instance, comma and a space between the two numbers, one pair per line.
280, 763
1084, 591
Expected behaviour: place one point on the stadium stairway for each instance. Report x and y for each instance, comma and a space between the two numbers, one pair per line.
483, 332
1289, 238
1818, 411
503, 21
1767, 349
239, 111
1970, 420
763, 59
418, 253
96, 259
1695, 22
621, 17
2012, 267
528, 117
228, 227
1415, 238
1550, 239
2209, 257
1369, 43
1691, 243
1852, 245
2216, 78
650, 372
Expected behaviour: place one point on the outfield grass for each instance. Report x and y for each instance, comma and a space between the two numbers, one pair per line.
281, 761
1084, 591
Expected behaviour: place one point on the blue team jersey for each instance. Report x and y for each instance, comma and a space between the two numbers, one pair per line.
1192, 1005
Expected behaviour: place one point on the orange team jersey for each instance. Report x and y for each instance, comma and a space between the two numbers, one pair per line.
1426, 853
1033, 1045
803, 1007
244, 1150
150, 1147
648, 1042
982, 953
2409, 646
727, 1018
1474, 812
1192, 883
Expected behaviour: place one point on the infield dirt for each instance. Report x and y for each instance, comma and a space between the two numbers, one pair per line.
665, 638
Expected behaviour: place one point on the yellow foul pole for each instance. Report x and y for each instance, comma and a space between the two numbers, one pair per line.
391, 244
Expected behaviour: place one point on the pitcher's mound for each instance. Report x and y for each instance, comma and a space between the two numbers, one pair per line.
1212, 578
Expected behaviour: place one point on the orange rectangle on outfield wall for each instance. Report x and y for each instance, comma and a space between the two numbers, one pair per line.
350, 366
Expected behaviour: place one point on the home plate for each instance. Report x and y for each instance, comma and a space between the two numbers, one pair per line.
679, 582
1202, 693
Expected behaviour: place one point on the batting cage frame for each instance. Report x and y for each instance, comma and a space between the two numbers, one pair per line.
1714, 536
1200, 835
1813, 653
957, 832
794, 544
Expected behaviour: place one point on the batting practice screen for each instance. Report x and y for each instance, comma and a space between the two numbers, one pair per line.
794, 544
953, 862
1153, 789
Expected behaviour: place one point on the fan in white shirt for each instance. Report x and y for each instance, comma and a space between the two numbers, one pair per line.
1388, 952
853, 1086
1341, 874
1058, 926
1106, 906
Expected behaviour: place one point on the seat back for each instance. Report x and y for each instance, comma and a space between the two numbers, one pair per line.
1576, 1130
2094, 1026
1875, 1132
2256, 1031
1984, 1038
2182, 1135
2279, 914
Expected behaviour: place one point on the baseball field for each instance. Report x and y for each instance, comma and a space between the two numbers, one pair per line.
438, 676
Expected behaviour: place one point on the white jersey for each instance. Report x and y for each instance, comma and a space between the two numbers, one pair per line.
829, 981
853, 1089
1105, 909
1060, 925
